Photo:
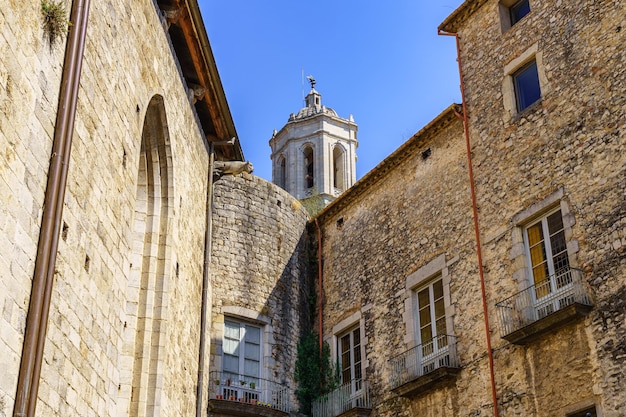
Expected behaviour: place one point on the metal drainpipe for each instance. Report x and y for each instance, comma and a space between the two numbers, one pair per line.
205, 282
43, 276
476, 226
319, 279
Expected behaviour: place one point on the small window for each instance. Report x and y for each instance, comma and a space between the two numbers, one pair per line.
518, 10
526, 83
512, 11
587, 412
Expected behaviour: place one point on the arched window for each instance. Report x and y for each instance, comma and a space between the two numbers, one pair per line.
309, 178
282, 172
141, 374
339, 171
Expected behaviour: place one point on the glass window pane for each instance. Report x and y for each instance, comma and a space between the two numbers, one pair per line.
423, 298
555, 222
438, 289
537, 255
253, 334
231, 330
535, 234
440, 309
540, 273
527, 88
441, 326
252, 351
425, 334
424, 317
231, 347
251, 368
519, 10
231, 364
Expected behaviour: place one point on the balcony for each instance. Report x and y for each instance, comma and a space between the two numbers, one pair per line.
558, 300
419, 368
242, 395
349, 400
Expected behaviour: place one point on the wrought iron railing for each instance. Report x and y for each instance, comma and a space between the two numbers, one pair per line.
560, 290
437, 353
354, 394
250, 390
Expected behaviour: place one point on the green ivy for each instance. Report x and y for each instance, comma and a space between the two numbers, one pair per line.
315, 374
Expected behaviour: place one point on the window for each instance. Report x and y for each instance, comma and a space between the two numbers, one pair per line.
548, 280
242, 350
526, 84
587, 412
512, 11
349, 350
518, 10
431, 347
431, 323
549, 262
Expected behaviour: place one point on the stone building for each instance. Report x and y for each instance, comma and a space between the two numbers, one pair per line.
314, 154
491, 281
478, 270
108, 136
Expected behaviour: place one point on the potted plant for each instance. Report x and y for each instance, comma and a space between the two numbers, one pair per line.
252, 385
217, 382
242, 383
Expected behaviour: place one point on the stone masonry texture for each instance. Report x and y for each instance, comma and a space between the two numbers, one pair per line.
127, 62
565, 150
261, 264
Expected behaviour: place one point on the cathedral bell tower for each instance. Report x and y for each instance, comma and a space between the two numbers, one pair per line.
314, 154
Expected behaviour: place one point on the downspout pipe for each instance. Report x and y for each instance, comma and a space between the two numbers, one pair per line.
476, 225
205, 283
43, 275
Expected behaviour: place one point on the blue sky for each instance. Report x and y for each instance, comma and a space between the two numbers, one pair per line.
382, 62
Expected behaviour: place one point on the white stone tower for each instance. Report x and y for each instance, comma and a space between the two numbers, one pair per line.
315, 152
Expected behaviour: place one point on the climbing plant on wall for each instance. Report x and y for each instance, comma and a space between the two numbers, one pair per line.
315, 373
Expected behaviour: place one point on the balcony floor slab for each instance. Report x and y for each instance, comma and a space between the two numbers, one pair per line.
224, 408
552, 321
426, 382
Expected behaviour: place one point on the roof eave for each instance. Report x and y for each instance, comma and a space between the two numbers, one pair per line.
453, 22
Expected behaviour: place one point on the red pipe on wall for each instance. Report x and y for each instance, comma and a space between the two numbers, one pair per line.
476, 226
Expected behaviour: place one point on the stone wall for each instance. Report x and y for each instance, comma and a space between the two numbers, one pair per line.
571, 144
405, 222
260, 270
127, 63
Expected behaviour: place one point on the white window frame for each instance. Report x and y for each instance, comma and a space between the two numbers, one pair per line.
438, 343
355, 369
519, 255
509, 95
437, 267
243, 327
347, 325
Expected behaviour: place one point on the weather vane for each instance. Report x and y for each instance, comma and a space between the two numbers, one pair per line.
311, 80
